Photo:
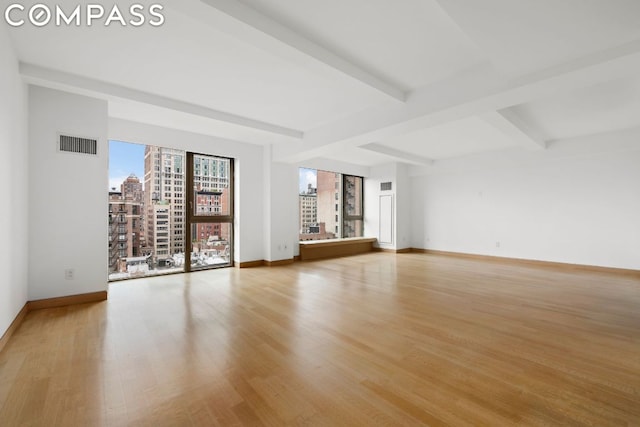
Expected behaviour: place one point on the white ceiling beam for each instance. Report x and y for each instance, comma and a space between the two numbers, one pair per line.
37, 74
507, 122
399, 155
472, 93
323, 56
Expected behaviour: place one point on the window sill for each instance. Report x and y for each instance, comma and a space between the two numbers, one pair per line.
332, 248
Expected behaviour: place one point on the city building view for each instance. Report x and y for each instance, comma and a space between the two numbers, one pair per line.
330, 205
148, 219
126, 225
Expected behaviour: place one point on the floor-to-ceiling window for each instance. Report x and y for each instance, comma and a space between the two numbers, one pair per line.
146, 210
152, 214
210, 213
330, 205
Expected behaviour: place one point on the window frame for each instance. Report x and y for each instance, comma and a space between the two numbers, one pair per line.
345, 215
342, 215
191, 218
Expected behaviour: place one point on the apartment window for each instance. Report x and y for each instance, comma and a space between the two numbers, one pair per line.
209, 228
330, 205
147, 229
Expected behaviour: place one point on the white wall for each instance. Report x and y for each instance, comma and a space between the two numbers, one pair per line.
14, 177
249, 207
67, 199
281, 209
402, 224
576, 202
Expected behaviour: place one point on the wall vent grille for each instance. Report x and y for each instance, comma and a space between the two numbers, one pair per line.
75, 144
385, 186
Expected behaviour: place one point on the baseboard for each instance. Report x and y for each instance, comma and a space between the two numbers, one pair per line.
68, 300
260, 263
250, 264
533, 262
393, 251
279, 262
14, 326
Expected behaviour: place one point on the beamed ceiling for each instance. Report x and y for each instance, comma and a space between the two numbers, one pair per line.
414, 81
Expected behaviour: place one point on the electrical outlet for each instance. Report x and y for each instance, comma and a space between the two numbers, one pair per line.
69, 274
497, 244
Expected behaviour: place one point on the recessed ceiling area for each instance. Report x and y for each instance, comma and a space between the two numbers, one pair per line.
522, 37
410, 43
362, 81
452, 139
605, 107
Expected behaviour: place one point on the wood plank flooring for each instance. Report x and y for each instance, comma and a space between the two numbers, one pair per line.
375, 339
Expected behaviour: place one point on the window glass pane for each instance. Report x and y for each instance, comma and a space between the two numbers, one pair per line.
321, 198
210, 245
353, 228
145, 237
329, 189
353, 195
212, 183
319, 202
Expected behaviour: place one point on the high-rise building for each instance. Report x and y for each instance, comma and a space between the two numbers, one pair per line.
212, 196
352, 206
165, 199
329, 209
126, 222
132, 188
308, 205
164, 182
211, 202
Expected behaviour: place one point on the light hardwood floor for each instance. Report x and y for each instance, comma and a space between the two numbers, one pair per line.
376, 339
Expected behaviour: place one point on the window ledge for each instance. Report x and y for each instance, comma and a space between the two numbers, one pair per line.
331, 248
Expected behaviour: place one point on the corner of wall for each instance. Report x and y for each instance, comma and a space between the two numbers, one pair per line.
14, 170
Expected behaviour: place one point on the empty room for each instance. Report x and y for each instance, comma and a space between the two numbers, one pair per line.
336, 213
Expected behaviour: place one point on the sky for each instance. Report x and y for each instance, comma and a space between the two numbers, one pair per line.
124, 159
307, 176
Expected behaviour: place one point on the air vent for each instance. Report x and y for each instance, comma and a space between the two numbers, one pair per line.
74, 144
385, 186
